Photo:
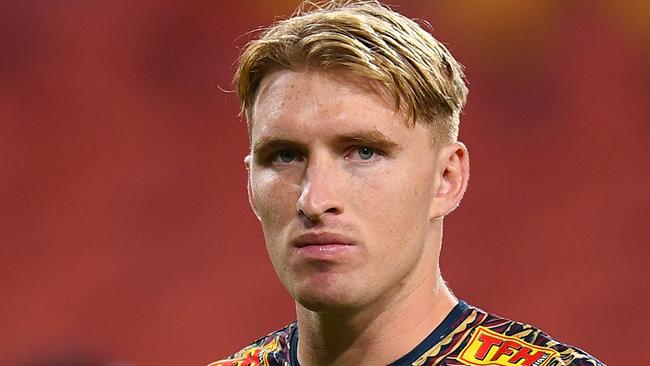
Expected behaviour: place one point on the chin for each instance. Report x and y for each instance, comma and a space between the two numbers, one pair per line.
321, 305
326, 300
327, 291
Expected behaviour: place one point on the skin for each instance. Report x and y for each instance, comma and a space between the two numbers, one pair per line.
351, 202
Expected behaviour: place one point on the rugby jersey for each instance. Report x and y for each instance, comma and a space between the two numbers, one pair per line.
467, 336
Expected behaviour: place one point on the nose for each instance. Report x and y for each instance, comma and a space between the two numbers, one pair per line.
320, 196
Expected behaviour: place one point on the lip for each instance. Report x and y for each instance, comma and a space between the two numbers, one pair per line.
322, 240
323, 246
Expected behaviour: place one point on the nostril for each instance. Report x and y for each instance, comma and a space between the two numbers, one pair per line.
306, 217
332, 210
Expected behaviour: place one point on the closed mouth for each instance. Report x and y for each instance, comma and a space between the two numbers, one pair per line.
321, 239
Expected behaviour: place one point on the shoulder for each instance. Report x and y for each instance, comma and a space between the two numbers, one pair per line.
270, 350
494, 340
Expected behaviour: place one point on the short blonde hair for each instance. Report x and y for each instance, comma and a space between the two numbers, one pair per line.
368, 40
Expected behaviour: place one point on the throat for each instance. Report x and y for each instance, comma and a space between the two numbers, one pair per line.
370, 336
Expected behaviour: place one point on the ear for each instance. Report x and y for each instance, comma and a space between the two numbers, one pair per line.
251, 201
452, 169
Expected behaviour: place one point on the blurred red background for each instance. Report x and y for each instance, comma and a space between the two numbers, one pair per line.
124, 225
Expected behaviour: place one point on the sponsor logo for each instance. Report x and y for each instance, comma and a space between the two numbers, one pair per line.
488, 348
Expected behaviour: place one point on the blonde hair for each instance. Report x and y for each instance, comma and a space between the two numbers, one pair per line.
369, 40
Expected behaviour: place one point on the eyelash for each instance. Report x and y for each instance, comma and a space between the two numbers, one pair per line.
275, 157
376, 153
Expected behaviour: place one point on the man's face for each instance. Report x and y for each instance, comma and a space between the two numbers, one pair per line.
344, 190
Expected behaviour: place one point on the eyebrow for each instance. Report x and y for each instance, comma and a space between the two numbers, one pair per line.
371, 138
265, 145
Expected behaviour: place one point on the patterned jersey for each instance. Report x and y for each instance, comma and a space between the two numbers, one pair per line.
467, 336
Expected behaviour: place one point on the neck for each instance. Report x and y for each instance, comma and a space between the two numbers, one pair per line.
377, 335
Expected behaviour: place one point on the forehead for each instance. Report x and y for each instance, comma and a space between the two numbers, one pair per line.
308, 101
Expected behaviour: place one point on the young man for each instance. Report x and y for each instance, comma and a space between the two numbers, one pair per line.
353, 114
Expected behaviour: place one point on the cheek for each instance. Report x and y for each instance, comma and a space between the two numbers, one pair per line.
395, 205
396, 191
274, 199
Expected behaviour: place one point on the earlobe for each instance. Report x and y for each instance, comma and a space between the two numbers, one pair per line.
247, 161
453, 175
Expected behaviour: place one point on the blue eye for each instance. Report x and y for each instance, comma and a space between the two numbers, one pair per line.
287, 156
366, 153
